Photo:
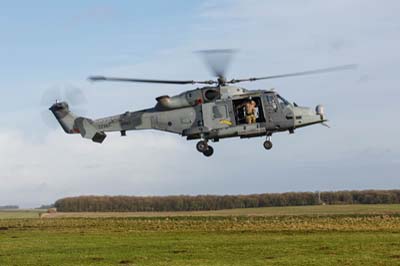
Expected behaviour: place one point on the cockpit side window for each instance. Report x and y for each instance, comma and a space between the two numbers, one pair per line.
271, 102
282, 101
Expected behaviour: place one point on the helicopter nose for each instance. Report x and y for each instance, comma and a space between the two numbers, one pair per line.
320, 110
306, 116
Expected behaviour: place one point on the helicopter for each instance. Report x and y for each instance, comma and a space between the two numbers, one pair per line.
216, 110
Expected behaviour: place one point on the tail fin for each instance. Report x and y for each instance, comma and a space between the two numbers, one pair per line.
76, 125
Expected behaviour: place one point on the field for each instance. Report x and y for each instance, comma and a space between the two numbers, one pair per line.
13, 214
314, 235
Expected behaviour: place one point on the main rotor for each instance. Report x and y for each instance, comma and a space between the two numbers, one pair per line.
218, 61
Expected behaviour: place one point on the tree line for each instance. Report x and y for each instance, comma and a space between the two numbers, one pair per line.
215, 202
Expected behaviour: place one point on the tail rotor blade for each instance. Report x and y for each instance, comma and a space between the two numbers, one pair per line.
49, 119
79, 111
69, 93
75, 96
50, 96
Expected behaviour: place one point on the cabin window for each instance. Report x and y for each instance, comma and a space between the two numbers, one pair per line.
219, 111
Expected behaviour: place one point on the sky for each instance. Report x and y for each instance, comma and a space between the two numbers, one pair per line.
54, 44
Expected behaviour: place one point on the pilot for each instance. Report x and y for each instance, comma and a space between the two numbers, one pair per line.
250, 107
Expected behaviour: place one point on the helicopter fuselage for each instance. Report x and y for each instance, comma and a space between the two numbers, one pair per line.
209, 113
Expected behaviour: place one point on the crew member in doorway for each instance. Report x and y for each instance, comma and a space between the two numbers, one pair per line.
250, 108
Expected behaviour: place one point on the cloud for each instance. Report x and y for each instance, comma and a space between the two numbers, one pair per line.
153, 163
62, 164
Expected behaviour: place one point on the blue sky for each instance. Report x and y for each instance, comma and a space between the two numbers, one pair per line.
50, 44
58, 41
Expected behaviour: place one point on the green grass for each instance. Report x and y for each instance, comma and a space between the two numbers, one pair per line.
10, 214
268, 211
357, 237
199, 248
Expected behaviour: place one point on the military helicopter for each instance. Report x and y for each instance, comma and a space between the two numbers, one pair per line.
215, 111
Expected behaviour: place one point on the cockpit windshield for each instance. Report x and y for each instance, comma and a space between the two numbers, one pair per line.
282, 101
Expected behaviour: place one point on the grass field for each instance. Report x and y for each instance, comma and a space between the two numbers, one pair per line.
13, 214
268, 211
315, 235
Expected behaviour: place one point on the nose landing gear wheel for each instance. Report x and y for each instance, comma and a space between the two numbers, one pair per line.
267, 144
209, 151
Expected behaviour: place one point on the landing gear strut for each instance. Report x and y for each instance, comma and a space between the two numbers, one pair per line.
203, 147
268, 143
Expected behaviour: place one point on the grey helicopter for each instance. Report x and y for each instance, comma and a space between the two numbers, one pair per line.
217, 110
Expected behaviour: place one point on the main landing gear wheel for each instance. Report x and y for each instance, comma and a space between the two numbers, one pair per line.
202, 146
209, 151
267, 144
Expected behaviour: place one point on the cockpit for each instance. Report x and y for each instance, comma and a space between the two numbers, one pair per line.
282, 101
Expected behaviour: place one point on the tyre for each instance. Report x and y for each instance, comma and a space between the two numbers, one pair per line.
268, 145
209, 151
201, 146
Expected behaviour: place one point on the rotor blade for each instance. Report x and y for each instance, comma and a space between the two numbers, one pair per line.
177, 82
48, 119
50, 96
75, 96
217, 60
72, 94
303, 73
79, 111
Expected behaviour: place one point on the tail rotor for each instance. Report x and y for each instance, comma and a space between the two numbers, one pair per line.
71, 94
